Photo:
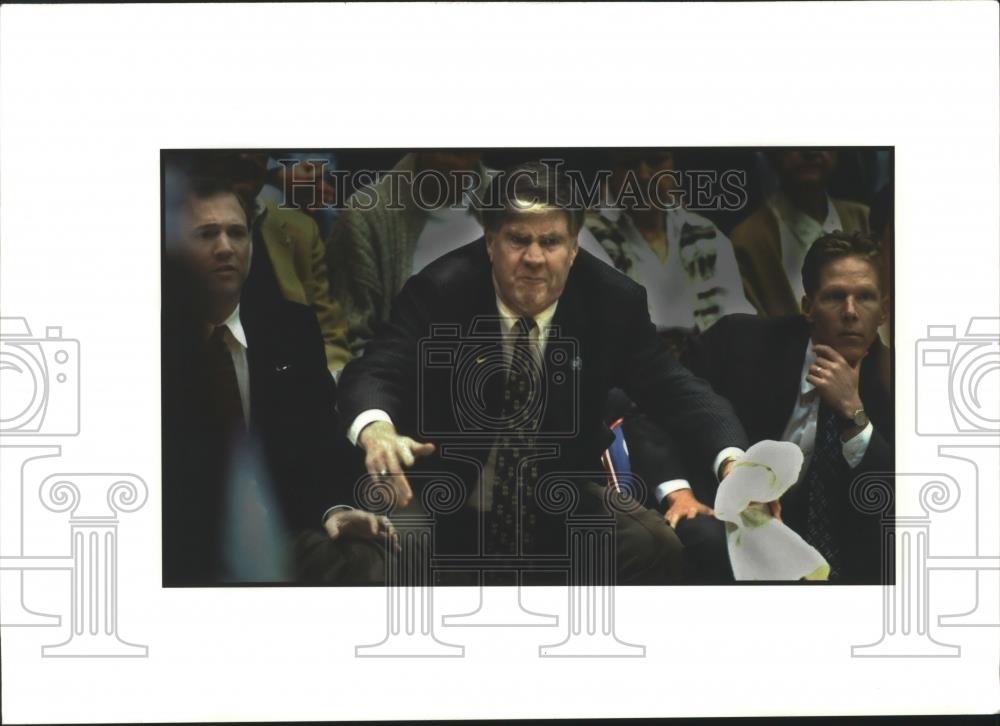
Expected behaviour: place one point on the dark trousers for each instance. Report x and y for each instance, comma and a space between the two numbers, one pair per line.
706, 551
647, 550
319, 560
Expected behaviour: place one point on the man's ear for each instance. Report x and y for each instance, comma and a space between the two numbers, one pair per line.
490, 241
884, 313
807, 307
576, 248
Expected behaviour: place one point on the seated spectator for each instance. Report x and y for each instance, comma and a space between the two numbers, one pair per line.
305, 179
682, 259
772, 243
374, 250
813, 379
297, 255
251, 459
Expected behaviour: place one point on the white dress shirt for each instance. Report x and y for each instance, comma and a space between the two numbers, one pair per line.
801, 426
798, 231
253, 532
236, 341
508, 318
689, 288
539, 336
800, 430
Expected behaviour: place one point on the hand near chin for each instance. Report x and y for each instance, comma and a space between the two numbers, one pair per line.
836, 380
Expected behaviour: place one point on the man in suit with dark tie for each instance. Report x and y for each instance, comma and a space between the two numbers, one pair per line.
813, 379
250, 440
496, 364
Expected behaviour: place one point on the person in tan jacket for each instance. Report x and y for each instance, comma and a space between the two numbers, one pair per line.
296, 251
298, 256
772, 242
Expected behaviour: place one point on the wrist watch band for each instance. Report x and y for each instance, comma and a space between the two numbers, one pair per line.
859, 418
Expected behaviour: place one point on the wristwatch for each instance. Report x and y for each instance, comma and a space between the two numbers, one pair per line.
859, 418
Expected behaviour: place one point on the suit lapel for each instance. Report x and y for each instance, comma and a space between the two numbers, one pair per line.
563, 359
480, 326
874, 396
787, 375
269, 367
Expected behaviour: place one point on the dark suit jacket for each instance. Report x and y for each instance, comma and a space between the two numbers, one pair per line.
756, 363
292, 419
604, 339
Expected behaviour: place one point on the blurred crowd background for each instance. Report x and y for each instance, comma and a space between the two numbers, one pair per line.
698, 262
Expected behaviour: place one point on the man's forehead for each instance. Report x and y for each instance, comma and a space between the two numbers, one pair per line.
538, 219
848, 267
222, 208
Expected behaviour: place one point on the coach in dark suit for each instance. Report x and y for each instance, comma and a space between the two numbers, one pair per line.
527, 293
813, 379
250, 440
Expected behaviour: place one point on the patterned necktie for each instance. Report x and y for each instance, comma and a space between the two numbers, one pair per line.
521, 414
224, 391
820, 489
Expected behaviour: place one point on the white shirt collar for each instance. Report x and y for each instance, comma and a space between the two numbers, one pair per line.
805, 387
612, 214
236, 327
804, 227
542, 320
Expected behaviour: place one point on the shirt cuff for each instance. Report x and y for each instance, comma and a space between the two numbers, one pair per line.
734, 452
331, 510
856, 447
364, 418
669, 487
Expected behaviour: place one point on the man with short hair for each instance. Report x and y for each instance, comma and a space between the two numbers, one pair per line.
771, 243
396, 226
249, 431
813, 379
537, 332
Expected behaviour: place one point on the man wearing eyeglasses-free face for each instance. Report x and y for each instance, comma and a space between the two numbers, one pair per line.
813, 379
586, 328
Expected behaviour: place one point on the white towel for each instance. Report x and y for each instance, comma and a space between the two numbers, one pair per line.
761, 547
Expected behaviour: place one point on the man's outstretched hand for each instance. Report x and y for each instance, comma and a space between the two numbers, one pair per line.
387, 454
682, 504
